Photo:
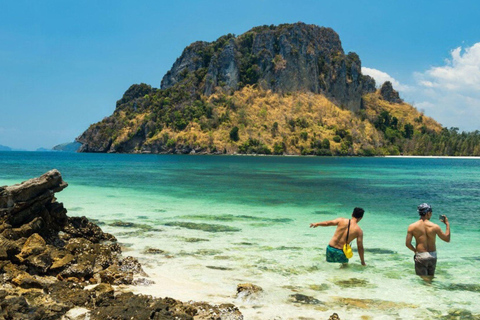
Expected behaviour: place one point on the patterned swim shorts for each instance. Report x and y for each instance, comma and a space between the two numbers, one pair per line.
336, 255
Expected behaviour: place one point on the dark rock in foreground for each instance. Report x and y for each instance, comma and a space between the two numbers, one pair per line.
47, 259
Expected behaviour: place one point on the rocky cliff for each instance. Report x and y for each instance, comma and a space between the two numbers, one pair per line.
288, 58
287, 89
47, 259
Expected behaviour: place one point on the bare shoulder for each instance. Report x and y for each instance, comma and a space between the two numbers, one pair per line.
412, 226
431, 225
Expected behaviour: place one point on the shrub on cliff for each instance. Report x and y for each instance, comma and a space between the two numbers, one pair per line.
234, 134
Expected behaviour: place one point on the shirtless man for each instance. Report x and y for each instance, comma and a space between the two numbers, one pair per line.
335, 246
425, 233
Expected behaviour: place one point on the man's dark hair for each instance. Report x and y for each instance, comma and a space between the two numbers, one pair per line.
358, 213
424, 208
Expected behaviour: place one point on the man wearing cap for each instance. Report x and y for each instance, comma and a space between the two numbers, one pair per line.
425, 232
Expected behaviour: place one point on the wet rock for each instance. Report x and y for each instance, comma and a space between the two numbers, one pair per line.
207, 252
62, 262
122, 224
14, 308
8, 248
247, 289
205, 311
472, 258
334, 317
203, 226
459, 314
89, 257
12, 270
69, 293
129, 306
380, 251
34, 245
352, 282
374, 304
101, 293
219, 268
304, 299
195, 240
115, 276
79, 245
153, 251
121, 273
142, 282
131, 264
142, 227
81, 227
472, 287
26, 230
319, 287
22, 203
80, 270
26, 281
105, 256
39, 263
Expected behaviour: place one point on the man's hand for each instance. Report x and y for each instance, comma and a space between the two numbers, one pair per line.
445, 219
313, 225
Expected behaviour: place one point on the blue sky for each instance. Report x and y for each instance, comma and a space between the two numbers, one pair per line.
64, 64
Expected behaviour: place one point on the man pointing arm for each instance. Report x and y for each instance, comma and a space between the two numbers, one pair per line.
344, 226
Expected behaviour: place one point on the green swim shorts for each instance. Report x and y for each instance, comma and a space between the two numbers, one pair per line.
336, 255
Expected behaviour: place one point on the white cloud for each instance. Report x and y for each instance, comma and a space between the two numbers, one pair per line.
451, 93
380, 77
448, 93
460, 74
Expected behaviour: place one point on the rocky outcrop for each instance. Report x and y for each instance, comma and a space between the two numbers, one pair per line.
47, 259
389, 94
247, 289
284, 58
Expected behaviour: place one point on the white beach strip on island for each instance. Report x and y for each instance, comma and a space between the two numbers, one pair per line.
434, 157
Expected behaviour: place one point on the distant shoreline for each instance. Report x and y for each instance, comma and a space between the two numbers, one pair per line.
254, 155
435, 157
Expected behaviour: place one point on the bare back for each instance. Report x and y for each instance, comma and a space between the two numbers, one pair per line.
424, 232
338, 239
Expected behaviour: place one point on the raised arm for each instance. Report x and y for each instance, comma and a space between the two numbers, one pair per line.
360, 248
444, 236
325, 223
408, 241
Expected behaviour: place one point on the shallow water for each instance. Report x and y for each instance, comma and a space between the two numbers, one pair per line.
203, 224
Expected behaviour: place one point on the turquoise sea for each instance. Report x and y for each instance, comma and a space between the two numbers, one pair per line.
218, 221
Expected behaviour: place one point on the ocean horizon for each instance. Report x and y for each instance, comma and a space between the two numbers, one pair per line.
201, 225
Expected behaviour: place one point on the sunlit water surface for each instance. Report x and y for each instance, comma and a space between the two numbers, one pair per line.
224, 220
